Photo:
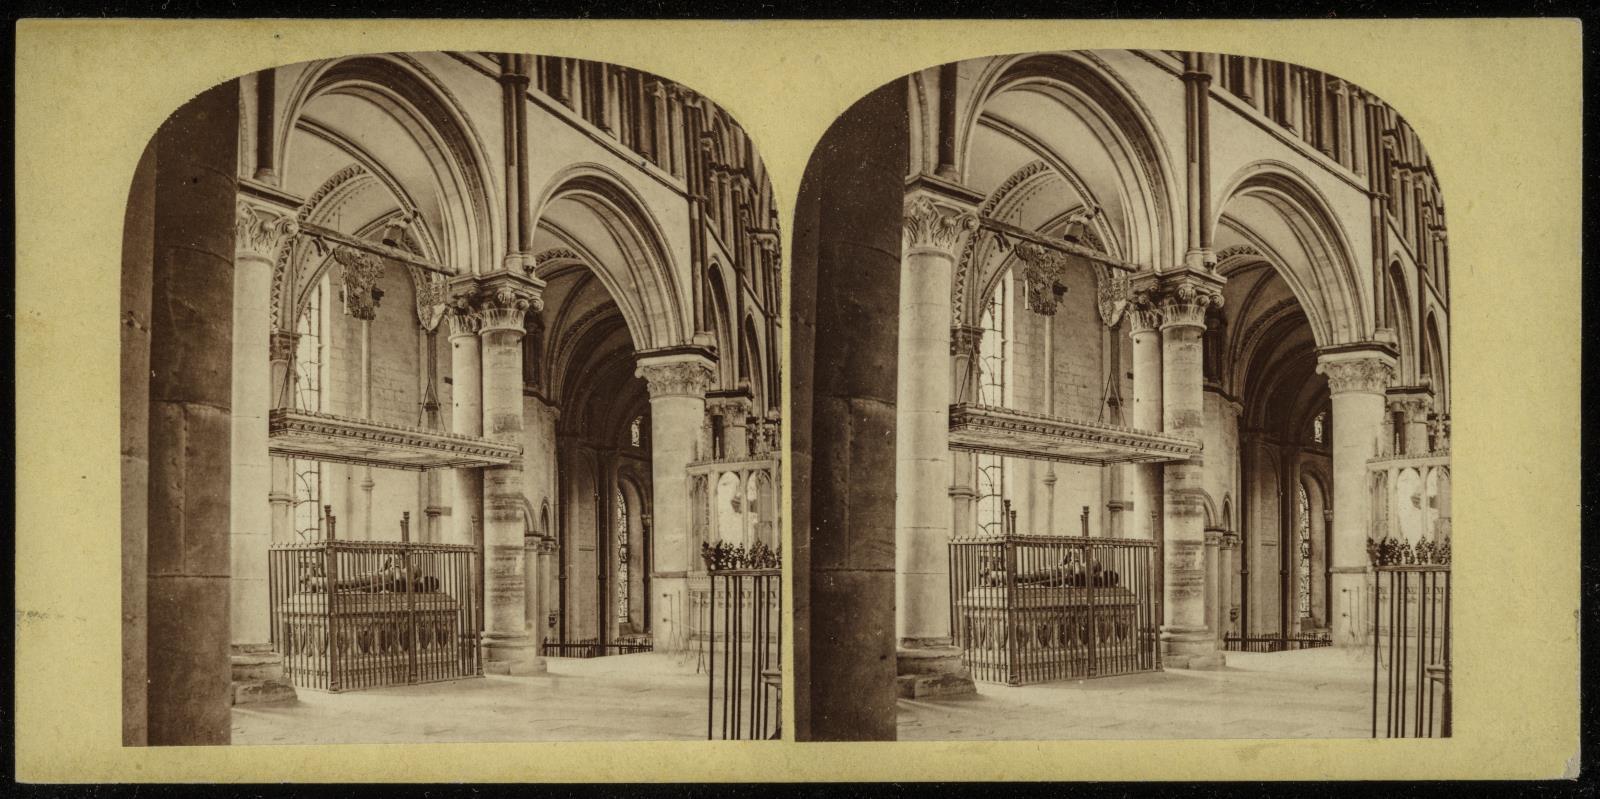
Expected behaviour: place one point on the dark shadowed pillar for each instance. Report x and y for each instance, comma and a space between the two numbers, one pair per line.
845, 288
190, 401
137, 236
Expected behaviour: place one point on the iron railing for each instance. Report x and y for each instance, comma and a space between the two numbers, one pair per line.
1274, 643
593, 649
744, 639
1411, 651
348, 615
1030, 609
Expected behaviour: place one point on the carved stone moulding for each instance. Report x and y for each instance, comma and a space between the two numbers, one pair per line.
1019, 434
1368, 370
686, 371
337, 439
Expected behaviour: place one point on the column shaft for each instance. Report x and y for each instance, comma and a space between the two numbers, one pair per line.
677, 383
1357, 381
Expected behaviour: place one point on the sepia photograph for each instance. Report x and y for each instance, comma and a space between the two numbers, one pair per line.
450, 410
1168, 448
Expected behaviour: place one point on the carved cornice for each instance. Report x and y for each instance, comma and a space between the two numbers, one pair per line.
936, 225
1370, 375
1013, 433
685, 378
261, 231
327, 437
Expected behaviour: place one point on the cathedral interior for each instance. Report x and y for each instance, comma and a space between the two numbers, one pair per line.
441, 365
1173, 325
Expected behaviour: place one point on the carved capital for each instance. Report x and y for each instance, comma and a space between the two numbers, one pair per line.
499, 301
1182, 298
1365, 374
966, 340
678, 378
262, 230
281, 344
936, 225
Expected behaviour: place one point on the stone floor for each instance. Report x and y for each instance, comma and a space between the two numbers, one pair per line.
1316, 693
645, 697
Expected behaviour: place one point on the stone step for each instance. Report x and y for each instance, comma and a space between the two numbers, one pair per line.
256, 668
255, 692
930, 660
923, 686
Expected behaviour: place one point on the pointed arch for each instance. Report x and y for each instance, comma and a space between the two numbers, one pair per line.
644, 285
1326, 283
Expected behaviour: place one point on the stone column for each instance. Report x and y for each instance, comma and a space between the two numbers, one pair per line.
466, 417
677, 380
263, 228
1213, 539
282, 344
186, 590
1183, 297
1144, 324
965, 342
501, 301
1357, 379
1225, 582
927, 662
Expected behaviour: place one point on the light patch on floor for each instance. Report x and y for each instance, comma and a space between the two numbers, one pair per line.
1317, 693
645, 697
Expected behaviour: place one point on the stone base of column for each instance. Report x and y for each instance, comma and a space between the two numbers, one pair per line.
257, 674
930, 669
511, 656
1190, 648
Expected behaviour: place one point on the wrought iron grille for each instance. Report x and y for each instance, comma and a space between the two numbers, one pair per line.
593, 648
745, 642
362, 614
1031, 609
1274, 643
1411, 651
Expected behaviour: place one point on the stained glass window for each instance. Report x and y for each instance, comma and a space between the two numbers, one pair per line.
1304, 570
622, 557
993, 366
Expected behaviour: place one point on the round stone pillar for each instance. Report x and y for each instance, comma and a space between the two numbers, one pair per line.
677, 380
466, 419
927, 662
1183, 297
1144, 327
282, 344
256, 671
502, 302
1357, 379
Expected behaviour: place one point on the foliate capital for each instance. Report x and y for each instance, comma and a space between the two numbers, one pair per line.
281, 345
1177, 299
936, 224
688, 377
499, 301
966, 340
1370, 374
261, 230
